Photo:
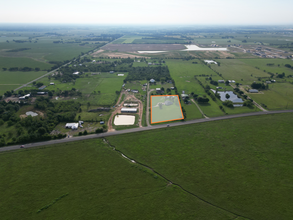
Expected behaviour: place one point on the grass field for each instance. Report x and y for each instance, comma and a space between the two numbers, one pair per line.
262, 64
44, 49
9, 77
106, 83
243, 165
238, 70
8, 62
183, 74
279, 96
97, 183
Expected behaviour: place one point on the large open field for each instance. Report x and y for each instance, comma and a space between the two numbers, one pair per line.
238, 70
97, 89
242, 165
44, 50
86, 180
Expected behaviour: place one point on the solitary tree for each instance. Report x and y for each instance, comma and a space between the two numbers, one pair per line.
227, 96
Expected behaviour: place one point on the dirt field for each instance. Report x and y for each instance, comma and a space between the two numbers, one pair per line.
95, 53
117, 55
143, 47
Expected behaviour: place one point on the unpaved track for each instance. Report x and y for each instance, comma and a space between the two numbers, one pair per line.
199, 108
148, 107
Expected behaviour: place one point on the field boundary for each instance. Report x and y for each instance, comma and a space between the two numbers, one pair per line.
169, 181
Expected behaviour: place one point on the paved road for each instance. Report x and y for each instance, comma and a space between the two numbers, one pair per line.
195, 121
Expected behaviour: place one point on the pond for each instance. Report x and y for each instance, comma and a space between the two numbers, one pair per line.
233, 97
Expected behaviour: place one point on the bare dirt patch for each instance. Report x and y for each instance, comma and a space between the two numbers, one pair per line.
99, 51
119, 55
143, 47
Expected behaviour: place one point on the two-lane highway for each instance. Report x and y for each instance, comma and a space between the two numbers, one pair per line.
202, 120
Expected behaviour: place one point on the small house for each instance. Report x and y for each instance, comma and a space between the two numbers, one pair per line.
52, 83
111, 71
134, 90
120, 74
268, 82
152, 81
75, 73
73, 126
221, 81
253, 91
102, 122
158, 90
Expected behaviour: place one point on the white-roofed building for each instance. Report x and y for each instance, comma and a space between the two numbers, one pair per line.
75, 73
128, 110
71, 125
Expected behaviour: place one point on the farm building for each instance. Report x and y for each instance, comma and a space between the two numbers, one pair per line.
41, 93
111, 72
268, 82
128, 110
184, 96
152, 81
134, 90
210, 62
130, 104
102, 122
253, 91
23, 97
33, 114
221, 81
52, 83
42, 87
75, 73
158, 90
71, 125
231, 81
120, 74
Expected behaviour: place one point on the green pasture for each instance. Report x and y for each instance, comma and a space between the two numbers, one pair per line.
242, 165
278, 96
183, 74
233, 69
19, 77
262, 64
7, 62
4, 88
92, 116
44, 50
98, 183
210, 109
90, 86
218, 41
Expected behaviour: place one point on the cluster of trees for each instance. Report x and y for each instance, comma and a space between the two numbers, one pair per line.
256, 85
215, 83
147, 73
36, 128
18, 49
24, 69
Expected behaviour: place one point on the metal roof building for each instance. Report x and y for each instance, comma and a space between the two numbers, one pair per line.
253, 91
128, 110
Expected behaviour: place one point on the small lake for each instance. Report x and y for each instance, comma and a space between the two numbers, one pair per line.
233, 97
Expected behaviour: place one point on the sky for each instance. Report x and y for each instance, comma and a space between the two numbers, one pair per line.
203, 12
